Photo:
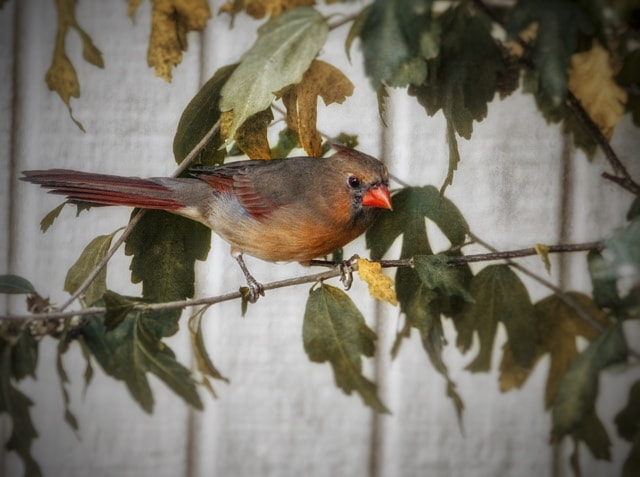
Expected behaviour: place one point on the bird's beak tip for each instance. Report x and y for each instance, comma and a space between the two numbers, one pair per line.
378, 196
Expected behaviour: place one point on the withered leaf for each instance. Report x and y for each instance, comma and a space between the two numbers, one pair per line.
260, 8
171, 20
301, 100
380, 285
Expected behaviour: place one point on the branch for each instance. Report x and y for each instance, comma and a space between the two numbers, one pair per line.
134, 221
622, 176
336, 272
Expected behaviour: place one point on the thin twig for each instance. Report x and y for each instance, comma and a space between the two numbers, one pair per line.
174, 305
136, 219
569, 301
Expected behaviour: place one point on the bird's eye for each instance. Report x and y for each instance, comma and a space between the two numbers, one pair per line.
353, 182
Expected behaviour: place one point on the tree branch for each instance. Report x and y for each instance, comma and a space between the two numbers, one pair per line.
336, 272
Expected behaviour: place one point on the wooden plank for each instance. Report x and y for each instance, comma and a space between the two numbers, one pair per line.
130, 117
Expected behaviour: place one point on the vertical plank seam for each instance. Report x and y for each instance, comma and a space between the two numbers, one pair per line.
564, 229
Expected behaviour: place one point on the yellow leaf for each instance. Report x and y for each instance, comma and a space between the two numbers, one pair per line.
379, 284
591, 81
61, 76
301, 101
543, 251
260, 8
171, 20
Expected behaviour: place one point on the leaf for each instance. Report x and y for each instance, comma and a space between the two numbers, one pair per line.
628, 424
558, 326
454, 156
285, 47
47, 220
171, 20
203, 361
356, 29
380, 285
629, 78
251, 138
260, 8
435, 272
164, 248
15, 285
287, 141
198, 118
410, 206
135, 348
628, 419
90, 257
391, 36
334, 330
560, 23
499, 296
555, 112
63, 346
61, 76
117, 309
591, 80
579, 387
16, 405
24, 355
301, 100
543, 251
463, 78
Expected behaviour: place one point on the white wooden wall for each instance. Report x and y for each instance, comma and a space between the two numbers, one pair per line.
281, 415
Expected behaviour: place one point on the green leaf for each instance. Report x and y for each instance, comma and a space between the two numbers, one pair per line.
286, 46
47, 220
410, 206
197, 119
117, 309
435, 272
464, 77
555, 112
164, 248
356, 28
90, 257
454, 156
628, 419
24, 355
628, 424
63, 347
203, 361
579, 386
287, 141
334, 330
560, 23
391, 35
500, 296
16, 405
135, 348
15, 285
629, 78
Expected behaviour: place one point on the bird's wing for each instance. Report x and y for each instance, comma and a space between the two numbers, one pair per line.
235, 179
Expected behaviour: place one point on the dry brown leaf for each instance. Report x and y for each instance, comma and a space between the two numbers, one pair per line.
301, 101
251, 137
171, 20
591, 81
380, 285
61, 76
260, 8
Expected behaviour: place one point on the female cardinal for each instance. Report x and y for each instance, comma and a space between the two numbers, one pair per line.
294, 209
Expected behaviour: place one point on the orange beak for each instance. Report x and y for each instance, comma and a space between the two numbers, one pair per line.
377, 196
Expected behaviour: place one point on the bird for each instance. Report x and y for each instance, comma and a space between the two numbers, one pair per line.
278, 210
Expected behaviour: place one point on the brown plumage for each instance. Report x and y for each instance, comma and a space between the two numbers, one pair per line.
293, 209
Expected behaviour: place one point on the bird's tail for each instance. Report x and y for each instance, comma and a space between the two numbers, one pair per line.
103, 189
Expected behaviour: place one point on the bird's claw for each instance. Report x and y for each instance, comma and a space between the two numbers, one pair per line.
254, 290
346, 271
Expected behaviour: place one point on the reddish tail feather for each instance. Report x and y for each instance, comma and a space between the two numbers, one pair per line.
103, 189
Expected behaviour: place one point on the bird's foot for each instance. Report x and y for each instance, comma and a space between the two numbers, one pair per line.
346, 271
255, 288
